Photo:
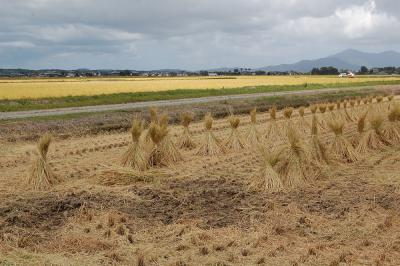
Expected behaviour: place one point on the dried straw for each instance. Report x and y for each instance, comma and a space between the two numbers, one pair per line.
164, 152
211, 145
267, 179
295, 165
135, 157
318, 149
373, 138
253, 137
41, 177
234, 141
340, 148
185, 141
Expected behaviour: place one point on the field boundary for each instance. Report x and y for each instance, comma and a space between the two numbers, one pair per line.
164, 103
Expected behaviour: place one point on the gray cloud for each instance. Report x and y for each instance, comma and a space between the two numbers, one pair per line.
192, 34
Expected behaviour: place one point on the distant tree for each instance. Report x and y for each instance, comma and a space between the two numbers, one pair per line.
125, 73
203, 73
260, 72
363, 70
315, 71
325, 71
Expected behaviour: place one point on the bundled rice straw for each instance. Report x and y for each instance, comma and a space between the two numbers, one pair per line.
267, 179
163, 152
157, 156
211, 145
145, 138
287, 112
253, 138
41, 177
322, 108
348, 116
318, 149
185, 140
167, 144
390, 130
272, 129
234, 141
135, 157
390, 100
302, 123
373, 138
295, 165
313, 109
153, 115
340, 147
360, 129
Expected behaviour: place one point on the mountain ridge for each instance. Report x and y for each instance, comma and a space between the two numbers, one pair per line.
349, 59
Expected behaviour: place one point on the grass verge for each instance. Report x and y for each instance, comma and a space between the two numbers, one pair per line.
118, 98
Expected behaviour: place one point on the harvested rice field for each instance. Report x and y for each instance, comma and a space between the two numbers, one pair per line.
317, 185
14, 89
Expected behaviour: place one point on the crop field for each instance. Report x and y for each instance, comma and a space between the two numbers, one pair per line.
13, 89
314, 185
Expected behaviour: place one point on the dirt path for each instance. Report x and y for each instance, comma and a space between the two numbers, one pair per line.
164, 103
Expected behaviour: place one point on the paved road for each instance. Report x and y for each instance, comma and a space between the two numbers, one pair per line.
130, 106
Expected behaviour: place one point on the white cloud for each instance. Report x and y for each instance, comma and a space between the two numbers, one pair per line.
80, 32
359, 21
17, 44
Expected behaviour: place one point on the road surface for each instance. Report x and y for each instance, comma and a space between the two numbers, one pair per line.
131, 106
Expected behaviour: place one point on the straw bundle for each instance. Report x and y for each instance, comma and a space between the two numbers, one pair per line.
253, 137
295, 165
163, 152
234, 141
318, 149
267, 179
373, 138
167, 145
41, 177
211, 145
302, 123
185, 141
340, 148
390, 130
135, 157
272, 129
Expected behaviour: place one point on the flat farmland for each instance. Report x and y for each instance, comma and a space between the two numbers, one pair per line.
15, 89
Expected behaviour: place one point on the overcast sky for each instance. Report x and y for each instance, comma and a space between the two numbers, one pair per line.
189, 34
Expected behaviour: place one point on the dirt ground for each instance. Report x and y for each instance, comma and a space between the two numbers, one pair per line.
201, 211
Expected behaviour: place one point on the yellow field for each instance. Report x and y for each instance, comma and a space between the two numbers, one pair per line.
40, 88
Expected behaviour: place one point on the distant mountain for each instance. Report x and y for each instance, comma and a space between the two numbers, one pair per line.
349, 59
384, 59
